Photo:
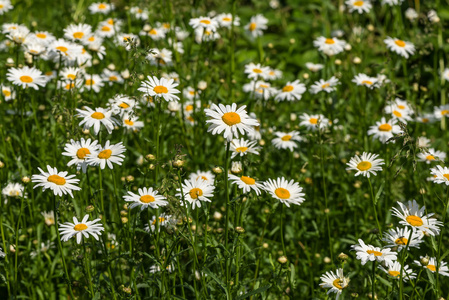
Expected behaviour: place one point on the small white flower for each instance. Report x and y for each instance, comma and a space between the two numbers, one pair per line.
56, 181
80, 229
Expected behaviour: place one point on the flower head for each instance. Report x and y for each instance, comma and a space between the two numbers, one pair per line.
335, 282
56, 181
80, 229
195, 191
160, 88
370, 253
366, 164
288, 192
146, 198
414, 216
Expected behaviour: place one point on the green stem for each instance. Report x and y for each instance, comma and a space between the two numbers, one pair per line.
374, 207
89, 278
440, 240
227, 214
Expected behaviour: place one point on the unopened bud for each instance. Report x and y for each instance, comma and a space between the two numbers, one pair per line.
217, 170
25, 179
239, 229
89, 208
282, 259
343, 257
424, 261
124, 220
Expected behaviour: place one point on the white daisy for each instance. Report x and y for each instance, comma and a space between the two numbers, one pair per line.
399, 238
204, 22
8, 93
190, 93
132, 123
365, 80
314, 122
164, 88
366, 164
432, 266
79, 151
139, 13
441, 111
111, 77
56, 181
359, 6
324, 85
26, 77
195, 191
274, 74
414, 216
107, 155
164, 221
314, 67
422, 142
329, 46
441, 174
77, 32
94, 118
155, 34
101, 7
122, 104
392, 2
146, 198
291, 91
256, 25
5, 6
207, 176
431, 155
230, 120
160, 57
225, 20
286, 140
394, 271
371, 253
92, 82
49, 217
401, 47
335, 282
246, 183
205, 35
80, 229
13, 190
384, 130
256, 71
243, 147
260, 89
288, 192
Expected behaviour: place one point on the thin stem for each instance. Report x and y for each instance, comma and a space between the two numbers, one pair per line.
374, 207
227, 214
441, 239
89, 278
374, 281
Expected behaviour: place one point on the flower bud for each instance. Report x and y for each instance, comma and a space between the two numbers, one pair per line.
282, 259
89, 208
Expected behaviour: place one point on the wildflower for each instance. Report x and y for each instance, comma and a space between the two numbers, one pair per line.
132, 123
441, 111
286, 140
256, 25
366, 164
92, 82
411, 14
80, 229
62, 49
415, 217
384, 130
425, 118
431, 155
260, 89
256, 71
190, 93
79, 151
274, 74
392, 2
146, 198
314, 122
207, 176
49, 217
122, 104
401, 47
422, 142
399, 111
324, 85
314, 67
155, 34
139, 13
8, 93
230, 120
101, 7
164, 221
441, 174
5, 6
26, 77
204, 22
371, 253
291, 91
335, 282
94, 118
243, 147
13, 190
394, 270
77, 32
225, 20
160, 57
364, 80
56, 181
432, 266
288, 192
196, 191
399, 238
107, 155
111, 77
164, 88
246, 183
329, 46
205, 35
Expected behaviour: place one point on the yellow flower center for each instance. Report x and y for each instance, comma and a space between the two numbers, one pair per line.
414, 220
189, 107
252, 26
160, 89
124, 105
91, 39
80, 227
71, 76
161, 219
385, 127
62, 49
425, 120
376, 253
287, 88
446, 176
113, 78
111, 21
153, 31
241, 149
430, 157
248, 180
78, 35
147, 199
105, 154
69, 86
6, 93
26, 79
358, 3
329, 41
105, 28
102, 6
207, 22
401, 241
41, 35
326, 85
90, 82
444, 112
400, 43
231, 118
431, 268
82, 152
364, 165
394, 273
129, 122
195, 193
56, 179
367, 82
226, 19
258, 71
337, 283
397, 114
286, 138
282, 193
401, 106
313, 121
97, 115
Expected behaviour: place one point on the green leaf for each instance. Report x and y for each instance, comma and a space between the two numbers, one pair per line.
254, 292
376, 198
218, 281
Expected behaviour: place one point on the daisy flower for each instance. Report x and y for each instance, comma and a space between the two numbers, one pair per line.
5, 6
359, 6
314, 67
230, 120
314, 122
432, 266
445, 74
204, 22
256, 71
441, 111
422, 142
164, 221
80, 229
111, 77
100, 7
49, 217
162, 57
164, 88
274, 74
56, 181
441, 174
291, 91
431, 155
411, 14
13, 190
19, 35
425, 118
107, 155
366, 164
79, 151
139, 13
329, 46
399, 238
132, 123
324, 85
94, 118
42, 37
207, 176
335, 282
92, 82
155, 34
286, 140
256, 25
190, 93
195, 191
8, 93
260, 89
71, 73
415, 217
205, 35
243, 147
364, 80
121, 104
26, 77
246, 183
146, 198
371, 253
77, 32
401, 47
384, 130
392, 2
394, 271
288, 192
61, 48
225, 20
